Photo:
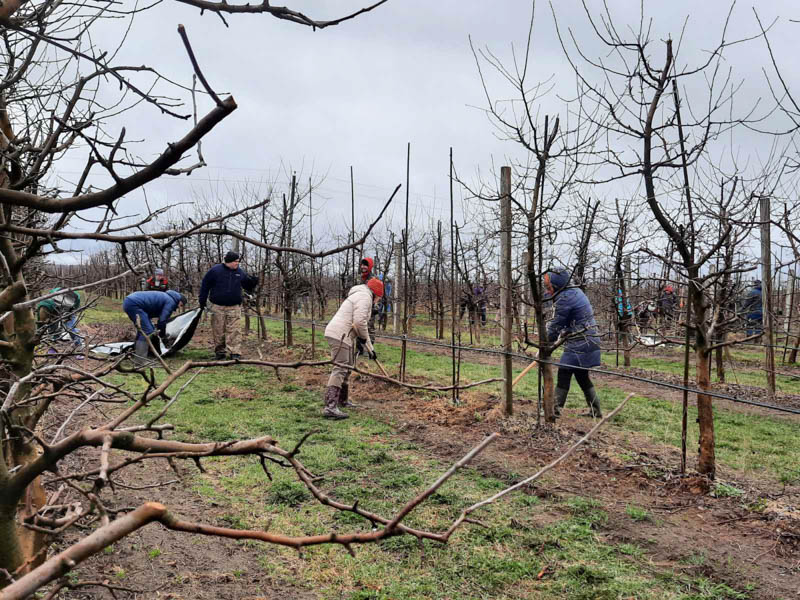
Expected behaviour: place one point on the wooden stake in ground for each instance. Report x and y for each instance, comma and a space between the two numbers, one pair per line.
506, 310
766, 297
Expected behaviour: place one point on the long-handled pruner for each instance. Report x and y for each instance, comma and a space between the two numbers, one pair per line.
377, 362
380, 366
525, 370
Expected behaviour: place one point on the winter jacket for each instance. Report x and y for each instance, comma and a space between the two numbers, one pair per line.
57, 305
354, 313
574, 315
153, 304
224, 285
666, 303
752, 304
157, 284
368, 275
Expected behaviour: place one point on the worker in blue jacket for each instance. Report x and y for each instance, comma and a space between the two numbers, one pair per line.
143, 306
222, 285
753, 307
574, 319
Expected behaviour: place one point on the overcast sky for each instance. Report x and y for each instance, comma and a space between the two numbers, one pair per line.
356, 94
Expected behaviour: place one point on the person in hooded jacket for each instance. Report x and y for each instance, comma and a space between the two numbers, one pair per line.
158, 282
573, 319
348, 327
666, 304
143, 306
365, 269
753, 307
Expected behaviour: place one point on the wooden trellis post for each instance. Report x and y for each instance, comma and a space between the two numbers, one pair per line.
506, 310
766, 296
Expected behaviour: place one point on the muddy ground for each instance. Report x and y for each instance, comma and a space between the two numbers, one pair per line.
740, 545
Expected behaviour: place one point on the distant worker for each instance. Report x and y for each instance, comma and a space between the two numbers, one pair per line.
365, 269
625, 313
223, 284
58, 315
158, 282
384, 304
348, 327
753, 309
574, 319
666, 304
388, 294
480, 301
143, 306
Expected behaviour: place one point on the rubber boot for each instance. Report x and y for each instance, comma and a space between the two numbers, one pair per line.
560, 400
343, 397
594, 405
331, 410
140, 351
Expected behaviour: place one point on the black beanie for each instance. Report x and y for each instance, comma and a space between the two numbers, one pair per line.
231, 256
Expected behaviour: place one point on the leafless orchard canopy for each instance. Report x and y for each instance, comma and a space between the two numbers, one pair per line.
632, 184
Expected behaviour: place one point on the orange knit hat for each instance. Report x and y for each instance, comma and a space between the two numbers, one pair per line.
376, 285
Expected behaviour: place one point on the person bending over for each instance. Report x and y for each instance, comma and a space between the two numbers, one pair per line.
143, 306
349, 324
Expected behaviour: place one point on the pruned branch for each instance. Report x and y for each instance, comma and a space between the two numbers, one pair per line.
152, 171
279, 12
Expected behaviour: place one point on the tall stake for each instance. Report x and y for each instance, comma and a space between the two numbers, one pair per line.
397, 248
692, 292
685, 411
766, 295
352, 226
405, 274
452, 284
506, 314
313, 286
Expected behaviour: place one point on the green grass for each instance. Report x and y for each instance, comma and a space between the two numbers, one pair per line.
750, 443
360, 459
750, 375
105, 310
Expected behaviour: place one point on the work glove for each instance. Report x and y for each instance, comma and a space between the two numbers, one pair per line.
372, 355
154, 337
360, 346
371, 350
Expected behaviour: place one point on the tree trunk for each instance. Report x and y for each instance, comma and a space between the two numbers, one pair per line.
705, 413
548, 386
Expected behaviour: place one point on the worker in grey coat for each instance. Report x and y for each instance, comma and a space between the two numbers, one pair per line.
573, 319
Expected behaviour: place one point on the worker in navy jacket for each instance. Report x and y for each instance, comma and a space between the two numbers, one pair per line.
143, 306
753, 307
222, 286
574, 319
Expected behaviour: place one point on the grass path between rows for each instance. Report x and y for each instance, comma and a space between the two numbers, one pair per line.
362, 460
530, 548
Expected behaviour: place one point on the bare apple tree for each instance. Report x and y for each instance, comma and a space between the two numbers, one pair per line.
62, 95
671, 144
